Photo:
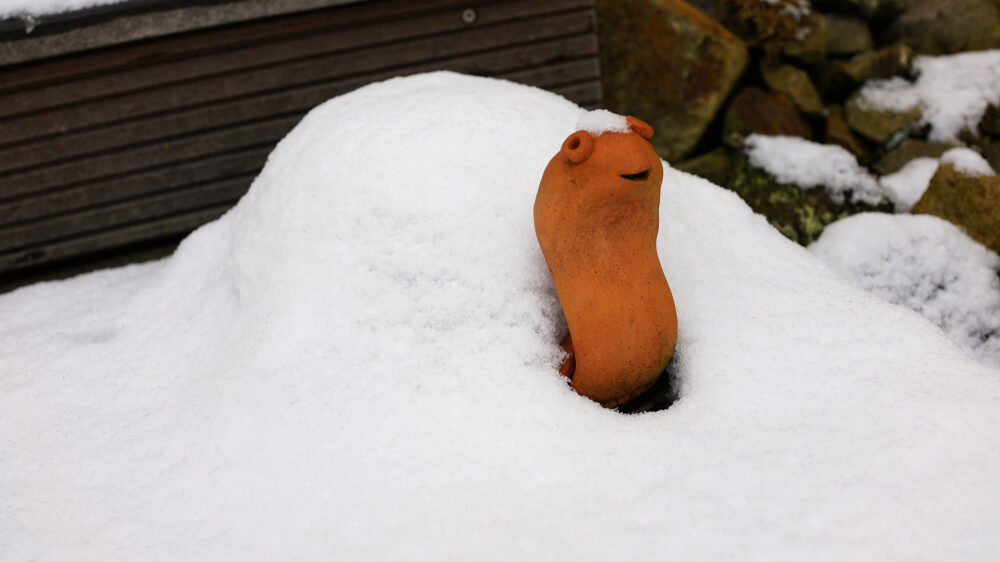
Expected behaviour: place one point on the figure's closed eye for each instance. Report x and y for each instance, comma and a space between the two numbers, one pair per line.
641, 176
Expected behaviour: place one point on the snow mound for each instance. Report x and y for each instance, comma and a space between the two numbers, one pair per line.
968, 162
602, 121
358, 362
906, 186
925, 264
807, 164
952, 92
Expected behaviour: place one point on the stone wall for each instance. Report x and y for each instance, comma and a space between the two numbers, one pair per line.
710, 74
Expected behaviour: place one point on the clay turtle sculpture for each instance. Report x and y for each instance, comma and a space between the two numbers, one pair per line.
596, 218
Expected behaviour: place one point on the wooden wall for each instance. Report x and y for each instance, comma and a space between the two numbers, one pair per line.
113, 151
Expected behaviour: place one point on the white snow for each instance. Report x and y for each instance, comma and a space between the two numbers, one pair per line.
358, 362
952, 92
968, 162
602, 121
926, 264
30, 9
806, 164
905, 187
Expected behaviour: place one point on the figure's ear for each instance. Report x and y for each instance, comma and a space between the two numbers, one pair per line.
578, 146
640, 127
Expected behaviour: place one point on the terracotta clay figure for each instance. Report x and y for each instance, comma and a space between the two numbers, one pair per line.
597, 217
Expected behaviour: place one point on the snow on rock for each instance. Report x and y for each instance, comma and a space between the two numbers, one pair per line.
968, 162
358, 362
797, 161
926, 264
905, 187
952, 91
602, 121
35, 8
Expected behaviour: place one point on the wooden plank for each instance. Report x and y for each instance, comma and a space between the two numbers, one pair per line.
555, 75
117, 256
122, 214
187, 175
145, 157
217, 39
256, 134
260, 81
88, 142
83, 245
271, 51
586, 94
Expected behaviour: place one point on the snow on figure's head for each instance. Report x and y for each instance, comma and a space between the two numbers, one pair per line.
602, 121
597, 219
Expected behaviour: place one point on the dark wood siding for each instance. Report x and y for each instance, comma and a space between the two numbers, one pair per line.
108, 150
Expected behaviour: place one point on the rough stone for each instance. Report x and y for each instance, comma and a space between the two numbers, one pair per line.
801, 215
862, 8
991, 153
940, 27
909, 149
877, 124
836, 78
847, 35
717, 166
989, 124
794, 83
754, 110
837, 132
668, 64
810, 43
970, 202
771, 25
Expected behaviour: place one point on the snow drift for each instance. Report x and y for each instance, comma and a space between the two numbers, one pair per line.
359, 362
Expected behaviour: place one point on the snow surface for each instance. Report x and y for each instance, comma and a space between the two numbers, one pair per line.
358, 362
602, 121
35, 8
952, 92
968, 162
906, 186
806, 164
926, 264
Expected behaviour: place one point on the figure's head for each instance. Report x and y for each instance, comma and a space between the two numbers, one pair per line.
597, 171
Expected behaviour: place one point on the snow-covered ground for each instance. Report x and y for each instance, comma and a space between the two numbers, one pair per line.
926, 264
358, 362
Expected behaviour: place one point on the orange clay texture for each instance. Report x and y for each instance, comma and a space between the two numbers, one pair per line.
596, 218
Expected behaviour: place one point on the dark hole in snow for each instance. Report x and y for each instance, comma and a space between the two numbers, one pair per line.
641, 176
659, 396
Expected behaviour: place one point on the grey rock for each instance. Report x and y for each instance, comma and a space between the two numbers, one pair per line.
847, 35
909, 149
939, 27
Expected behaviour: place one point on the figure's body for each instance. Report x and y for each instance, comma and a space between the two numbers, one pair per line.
597, 217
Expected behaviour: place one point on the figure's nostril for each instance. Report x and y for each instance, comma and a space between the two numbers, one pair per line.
641, 176
578, 146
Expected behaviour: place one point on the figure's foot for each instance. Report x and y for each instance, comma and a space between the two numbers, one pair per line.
569, 364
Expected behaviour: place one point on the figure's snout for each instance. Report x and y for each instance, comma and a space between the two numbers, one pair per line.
578, 146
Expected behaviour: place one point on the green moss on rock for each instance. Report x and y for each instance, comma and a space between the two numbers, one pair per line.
801, 215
